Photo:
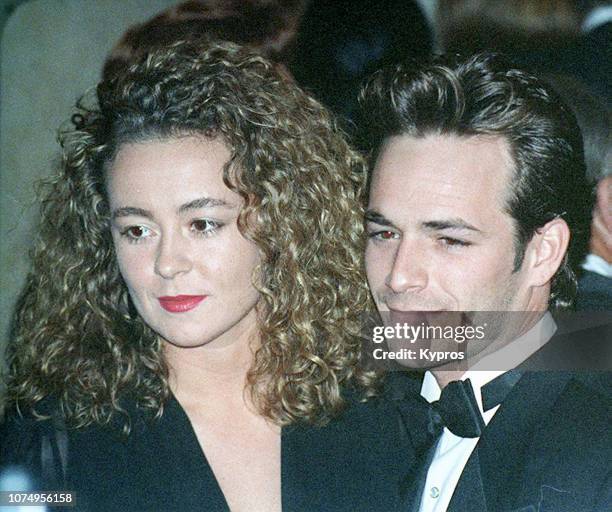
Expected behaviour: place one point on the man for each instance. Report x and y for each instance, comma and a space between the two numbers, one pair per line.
479, 202
595, 285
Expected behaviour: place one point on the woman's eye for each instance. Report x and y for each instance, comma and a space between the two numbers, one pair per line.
204, 226
385, 234
136, 233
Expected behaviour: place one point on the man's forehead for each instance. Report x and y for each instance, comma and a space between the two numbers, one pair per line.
443, 174
466, 147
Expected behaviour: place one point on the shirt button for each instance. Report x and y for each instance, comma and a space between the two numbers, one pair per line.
434, 492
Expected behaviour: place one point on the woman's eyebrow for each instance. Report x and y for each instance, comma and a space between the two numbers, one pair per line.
126, 211
204, 202
201, 202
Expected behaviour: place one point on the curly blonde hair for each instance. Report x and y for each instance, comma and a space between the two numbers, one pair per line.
74, 336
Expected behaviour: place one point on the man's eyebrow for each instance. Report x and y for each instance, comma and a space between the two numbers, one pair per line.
126, 211
377, 218
439, 225
204, 202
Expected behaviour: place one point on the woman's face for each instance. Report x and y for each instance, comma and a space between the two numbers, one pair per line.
187, 267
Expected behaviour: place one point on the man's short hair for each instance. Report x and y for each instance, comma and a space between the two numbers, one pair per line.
484, 95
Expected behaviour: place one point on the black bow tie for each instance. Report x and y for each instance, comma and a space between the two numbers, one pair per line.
457, 410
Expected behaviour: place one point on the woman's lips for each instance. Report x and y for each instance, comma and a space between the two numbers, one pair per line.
180, 303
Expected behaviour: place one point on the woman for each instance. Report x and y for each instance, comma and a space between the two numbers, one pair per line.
197, 289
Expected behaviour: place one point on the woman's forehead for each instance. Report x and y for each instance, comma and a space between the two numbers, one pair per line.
174, 170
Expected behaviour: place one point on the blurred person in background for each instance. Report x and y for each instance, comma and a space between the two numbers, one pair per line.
498, 25
572, 37
268, 26
342, 42
595, 118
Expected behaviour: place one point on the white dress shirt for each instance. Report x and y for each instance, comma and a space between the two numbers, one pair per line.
596, 18
452, 452
594, 263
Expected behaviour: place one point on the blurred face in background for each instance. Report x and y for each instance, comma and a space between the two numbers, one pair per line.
186, 265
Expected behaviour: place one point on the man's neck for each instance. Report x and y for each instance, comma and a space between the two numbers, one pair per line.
535, 332
443, 378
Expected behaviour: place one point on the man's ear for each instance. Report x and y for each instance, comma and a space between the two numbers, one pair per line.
546, 251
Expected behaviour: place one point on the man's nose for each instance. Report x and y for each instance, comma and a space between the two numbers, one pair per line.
410, 271
173, 256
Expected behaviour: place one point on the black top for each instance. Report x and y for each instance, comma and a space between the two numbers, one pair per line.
354, 463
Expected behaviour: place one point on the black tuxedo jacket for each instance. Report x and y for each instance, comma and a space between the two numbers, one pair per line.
548, 447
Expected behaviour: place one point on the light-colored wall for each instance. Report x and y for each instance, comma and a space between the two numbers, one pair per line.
51, 52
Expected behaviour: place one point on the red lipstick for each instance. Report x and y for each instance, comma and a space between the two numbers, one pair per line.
180, 303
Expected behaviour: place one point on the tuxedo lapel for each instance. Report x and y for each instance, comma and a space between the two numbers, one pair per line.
470, 495
400, 387
501, 453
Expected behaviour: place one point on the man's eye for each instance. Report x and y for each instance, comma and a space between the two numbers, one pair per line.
454, 242
385, 234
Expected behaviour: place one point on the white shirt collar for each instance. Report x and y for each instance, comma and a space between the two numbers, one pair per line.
514, 353
430, 390
597, 17
597, 264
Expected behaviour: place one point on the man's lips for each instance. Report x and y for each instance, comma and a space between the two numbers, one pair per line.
414, 311
417, 316
180, 303
408, 316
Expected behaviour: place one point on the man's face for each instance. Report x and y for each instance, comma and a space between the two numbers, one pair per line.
439, 238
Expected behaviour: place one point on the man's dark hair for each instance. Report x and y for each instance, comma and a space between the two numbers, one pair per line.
485, 95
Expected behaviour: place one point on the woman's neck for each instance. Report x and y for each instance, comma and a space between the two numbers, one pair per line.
210, 371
